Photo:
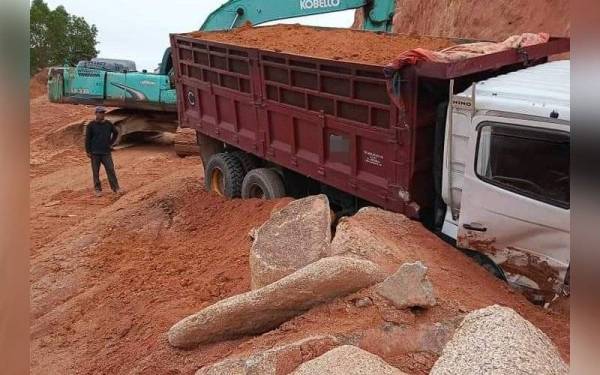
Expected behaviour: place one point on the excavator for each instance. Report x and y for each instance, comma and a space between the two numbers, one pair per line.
146, 102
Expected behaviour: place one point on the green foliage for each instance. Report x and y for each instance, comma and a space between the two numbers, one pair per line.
58, 38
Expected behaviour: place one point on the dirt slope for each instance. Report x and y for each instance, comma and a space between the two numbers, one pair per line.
38, 84
487, 20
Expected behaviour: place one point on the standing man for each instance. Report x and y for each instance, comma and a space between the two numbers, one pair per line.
101, 134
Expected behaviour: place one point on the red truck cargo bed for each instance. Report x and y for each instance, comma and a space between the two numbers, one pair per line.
329, 120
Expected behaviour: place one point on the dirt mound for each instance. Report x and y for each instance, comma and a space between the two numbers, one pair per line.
336, 44
485, 20
56, 135
120, 279
38, 84
46, 117
68, 135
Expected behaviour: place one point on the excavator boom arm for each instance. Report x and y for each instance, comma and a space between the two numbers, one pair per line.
235, 13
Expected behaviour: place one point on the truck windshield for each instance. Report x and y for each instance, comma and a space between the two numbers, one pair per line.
528, 161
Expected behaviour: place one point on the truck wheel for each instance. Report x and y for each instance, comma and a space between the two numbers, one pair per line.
224, 175
263, 183
248, 161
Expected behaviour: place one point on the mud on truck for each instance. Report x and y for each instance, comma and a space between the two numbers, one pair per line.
476, 149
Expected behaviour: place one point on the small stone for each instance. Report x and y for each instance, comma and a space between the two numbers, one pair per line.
408, 287
52, 204
363, 302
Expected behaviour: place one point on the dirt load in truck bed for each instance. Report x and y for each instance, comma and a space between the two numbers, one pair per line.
337, 44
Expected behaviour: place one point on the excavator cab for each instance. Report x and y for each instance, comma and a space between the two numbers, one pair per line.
108, 65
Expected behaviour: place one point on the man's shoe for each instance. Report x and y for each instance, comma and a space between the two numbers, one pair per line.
119, 191
98, 193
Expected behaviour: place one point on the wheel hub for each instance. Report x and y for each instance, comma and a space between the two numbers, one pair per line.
216, 182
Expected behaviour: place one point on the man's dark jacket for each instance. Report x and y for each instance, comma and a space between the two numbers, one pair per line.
99, 137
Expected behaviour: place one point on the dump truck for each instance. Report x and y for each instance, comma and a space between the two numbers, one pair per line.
476, 149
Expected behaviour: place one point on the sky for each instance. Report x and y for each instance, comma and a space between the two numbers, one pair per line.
139, 30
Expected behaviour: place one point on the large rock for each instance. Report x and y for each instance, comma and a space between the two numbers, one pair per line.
266, 308
395, 340
354, 237
294, 236
276, 361
235, 366
408, 287
347, 360
497, 340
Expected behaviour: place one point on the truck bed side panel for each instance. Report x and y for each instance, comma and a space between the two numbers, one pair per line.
329, 120
219, 95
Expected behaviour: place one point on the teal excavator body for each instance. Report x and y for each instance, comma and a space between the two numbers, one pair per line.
113, 83
117, 83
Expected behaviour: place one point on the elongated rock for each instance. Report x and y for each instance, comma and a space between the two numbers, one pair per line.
263, 309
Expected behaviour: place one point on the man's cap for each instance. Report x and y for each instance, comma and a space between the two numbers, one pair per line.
100, 110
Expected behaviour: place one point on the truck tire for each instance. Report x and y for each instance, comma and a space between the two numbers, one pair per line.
223, 175
248, 161
488, 264
263, 183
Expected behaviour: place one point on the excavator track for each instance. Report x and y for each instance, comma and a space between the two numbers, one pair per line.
136, 126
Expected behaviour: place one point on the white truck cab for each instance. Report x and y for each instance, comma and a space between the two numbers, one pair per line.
506, 180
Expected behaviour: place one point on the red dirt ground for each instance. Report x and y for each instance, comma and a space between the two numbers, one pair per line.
110, 275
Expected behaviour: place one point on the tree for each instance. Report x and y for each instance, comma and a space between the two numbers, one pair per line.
58, 38
38, 35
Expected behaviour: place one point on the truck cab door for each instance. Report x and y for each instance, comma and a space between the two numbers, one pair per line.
516, 200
